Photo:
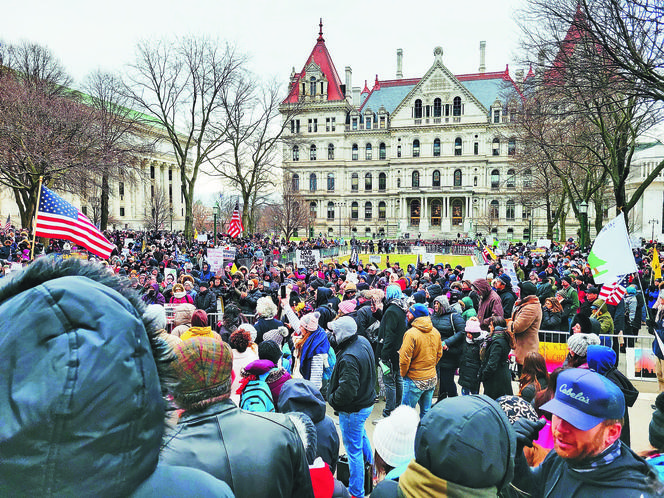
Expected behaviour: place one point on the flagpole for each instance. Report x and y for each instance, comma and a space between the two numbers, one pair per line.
34, 225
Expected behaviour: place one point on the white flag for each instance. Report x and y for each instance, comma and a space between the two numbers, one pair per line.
611, 255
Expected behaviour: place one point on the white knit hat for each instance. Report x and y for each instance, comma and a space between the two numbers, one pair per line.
394, 436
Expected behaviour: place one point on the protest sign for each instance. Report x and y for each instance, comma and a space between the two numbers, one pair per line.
307, 258
508, 268
472, 273
202, 238
544, 243
215, 258
374, 259
418, 249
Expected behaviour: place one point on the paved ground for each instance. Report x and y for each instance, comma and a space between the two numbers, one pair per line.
640, 415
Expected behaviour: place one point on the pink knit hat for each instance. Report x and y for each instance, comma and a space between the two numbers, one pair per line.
347, 306
310, 321
473, 326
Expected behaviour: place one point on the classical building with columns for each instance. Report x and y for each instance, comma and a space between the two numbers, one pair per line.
428, 156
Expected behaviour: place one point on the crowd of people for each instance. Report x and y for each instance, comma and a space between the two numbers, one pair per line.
218, 382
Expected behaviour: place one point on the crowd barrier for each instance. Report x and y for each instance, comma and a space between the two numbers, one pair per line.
636, 359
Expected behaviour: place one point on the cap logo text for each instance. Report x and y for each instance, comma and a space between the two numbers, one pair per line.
577, 396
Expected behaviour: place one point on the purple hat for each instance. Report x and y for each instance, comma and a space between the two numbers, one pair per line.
585, 398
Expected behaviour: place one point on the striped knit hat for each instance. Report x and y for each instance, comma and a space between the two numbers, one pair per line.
203, 368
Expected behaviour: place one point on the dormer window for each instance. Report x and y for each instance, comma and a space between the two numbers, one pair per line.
312, 86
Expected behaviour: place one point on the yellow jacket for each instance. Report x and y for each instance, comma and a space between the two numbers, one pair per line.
420, 351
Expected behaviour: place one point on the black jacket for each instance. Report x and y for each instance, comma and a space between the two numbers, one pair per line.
392, 328
507, 299
206, 301
353, 379
452, 328
494, 372
469, 366
552, 320
259, 455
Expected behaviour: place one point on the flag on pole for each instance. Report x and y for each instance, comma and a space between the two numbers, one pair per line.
57, 219
612, 293
656, 268
8, 224
235, 227
611, 254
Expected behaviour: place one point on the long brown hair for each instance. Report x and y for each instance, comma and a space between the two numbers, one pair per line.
547, 394
534, 368
555, 304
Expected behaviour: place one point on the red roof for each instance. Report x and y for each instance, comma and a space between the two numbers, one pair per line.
321, 57
577, 30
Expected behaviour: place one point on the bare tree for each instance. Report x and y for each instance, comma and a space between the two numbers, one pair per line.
202, 215
123, 136
45, 131
156, 210
291, 213
254, 132
180, 83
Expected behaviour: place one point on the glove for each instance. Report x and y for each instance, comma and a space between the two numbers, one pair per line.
526, 431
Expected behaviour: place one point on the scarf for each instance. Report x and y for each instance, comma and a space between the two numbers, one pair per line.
418, 482
299, 342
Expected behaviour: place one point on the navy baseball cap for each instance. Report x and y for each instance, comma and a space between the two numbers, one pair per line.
418, 310
585, 398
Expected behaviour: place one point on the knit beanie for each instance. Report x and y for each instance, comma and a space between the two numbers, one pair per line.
310, 321
473, 326
347, 306
203, 368
419, 297
277, 335
504, 278
418, 310
527, 289
578, 343
269, 350
199, 318
251, 329
394, 436
656, 429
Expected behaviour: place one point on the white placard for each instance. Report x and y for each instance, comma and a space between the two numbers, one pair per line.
508, 268
307, 258
215, 258
544, 243
428, 257
202, 238
229, 253
374, 259
418, 249
472, 273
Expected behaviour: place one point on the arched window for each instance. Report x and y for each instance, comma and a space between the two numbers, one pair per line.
495, 146
312, 182
330, 182
511, 146
527, 178
511, 178
418, 108
436, 107
353, 210
330, 151
456, 106
415, 213
493, 210
415, 180
368, 185
382, 151
382, 182
457, 212
436, 147
330, 210
312, 153
416, 148
382, 210
495, 178
355, 149
312, 209
435, 178
509, 210
510, 233
312, 86
354, 182
436, 210
367, 210
295, 182
458, 178
296, 153
457, 146
367, 152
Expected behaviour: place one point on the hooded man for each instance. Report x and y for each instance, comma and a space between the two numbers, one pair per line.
489, 303
351, 393
82, 411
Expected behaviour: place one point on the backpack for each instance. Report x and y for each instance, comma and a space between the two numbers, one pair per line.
256, 395
331, 361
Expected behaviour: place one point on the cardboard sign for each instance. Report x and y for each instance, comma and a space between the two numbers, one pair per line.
472, 273
215, 258
508, 268
307, 258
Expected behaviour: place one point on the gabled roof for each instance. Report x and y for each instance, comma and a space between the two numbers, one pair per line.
389, 94
321, 57
487, 87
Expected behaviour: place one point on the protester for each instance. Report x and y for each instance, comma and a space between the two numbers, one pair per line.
655, 455
394, 444
534, 376
199, 327
87, 389
577, 348
494, 372
451, 327
489, 302
469, 366
242, 356
525, 324
266, 311
507, 296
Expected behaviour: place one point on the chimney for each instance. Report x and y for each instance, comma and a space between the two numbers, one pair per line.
482, 67
399, 63
349, 80
356, 96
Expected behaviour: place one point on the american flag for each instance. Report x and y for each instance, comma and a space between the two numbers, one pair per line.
235, 227
8, 224
57, 219
613, 293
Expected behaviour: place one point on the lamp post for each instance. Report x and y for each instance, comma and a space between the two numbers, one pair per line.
583, 211
171, 213
216, 213
340, 204
653, 222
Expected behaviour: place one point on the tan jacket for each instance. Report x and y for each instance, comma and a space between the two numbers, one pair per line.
526, 321
420, 351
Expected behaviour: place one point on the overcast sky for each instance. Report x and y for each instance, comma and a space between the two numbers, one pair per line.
86, 35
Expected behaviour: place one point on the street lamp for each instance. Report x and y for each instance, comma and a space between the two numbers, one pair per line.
653, 222
340, 204
216, 212
583, 211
